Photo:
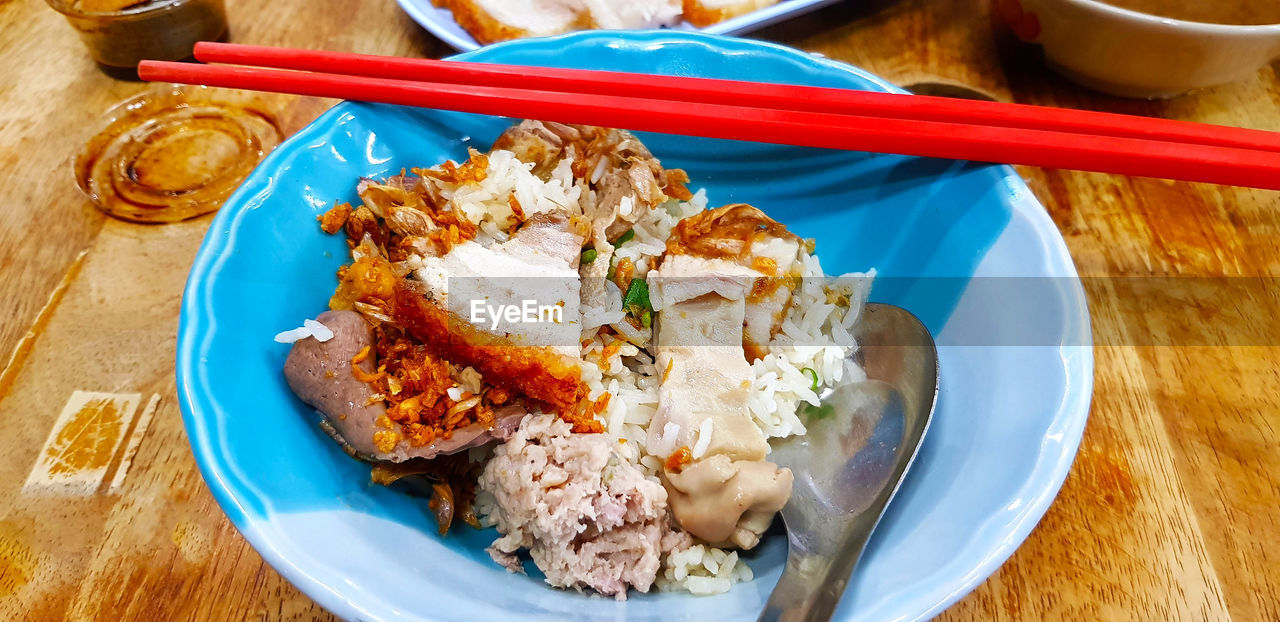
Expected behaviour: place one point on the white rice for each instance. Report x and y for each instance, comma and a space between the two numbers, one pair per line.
309, 328
702, 570
487, 204
704, 438
816, 335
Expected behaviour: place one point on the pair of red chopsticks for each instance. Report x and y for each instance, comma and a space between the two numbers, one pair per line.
770, 113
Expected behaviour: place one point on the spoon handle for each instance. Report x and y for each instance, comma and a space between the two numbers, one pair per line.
811, 585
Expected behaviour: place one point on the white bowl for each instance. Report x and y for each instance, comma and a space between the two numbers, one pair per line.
1134, 54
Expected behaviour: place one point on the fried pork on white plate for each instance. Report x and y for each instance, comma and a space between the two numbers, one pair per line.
703, 13
638, 14
490, 21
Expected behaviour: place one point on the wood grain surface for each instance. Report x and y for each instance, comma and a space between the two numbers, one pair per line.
1170, 511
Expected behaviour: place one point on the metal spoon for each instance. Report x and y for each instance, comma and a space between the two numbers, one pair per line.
850, 463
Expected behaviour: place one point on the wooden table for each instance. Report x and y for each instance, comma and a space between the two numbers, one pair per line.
1170, 511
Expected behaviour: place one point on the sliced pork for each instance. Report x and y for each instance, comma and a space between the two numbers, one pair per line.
588, 518
757, 246
490, 21
321, 375
722, 488
459, 301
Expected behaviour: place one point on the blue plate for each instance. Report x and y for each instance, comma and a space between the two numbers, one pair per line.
1008, 422
439, 21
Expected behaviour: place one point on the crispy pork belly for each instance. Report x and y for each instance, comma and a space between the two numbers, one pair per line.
754, 245
633, 14
537, 265
453, 306
726, 490
543, 373
498, 20
703, 13
490, 21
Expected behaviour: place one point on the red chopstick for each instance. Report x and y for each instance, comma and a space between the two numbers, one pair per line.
753, 94
960, 141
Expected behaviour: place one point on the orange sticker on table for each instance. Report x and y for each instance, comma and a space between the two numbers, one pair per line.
82, 446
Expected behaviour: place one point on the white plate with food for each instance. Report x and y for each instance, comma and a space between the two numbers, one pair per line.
489, 21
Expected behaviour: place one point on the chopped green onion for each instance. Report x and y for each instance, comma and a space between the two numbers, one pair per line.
589, 255
818, 412
813, 375
624, 238
613, 271
646, 318
636, 301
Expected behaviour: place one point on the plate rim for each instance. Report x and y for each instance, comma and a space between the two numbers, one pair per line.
1069, 419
